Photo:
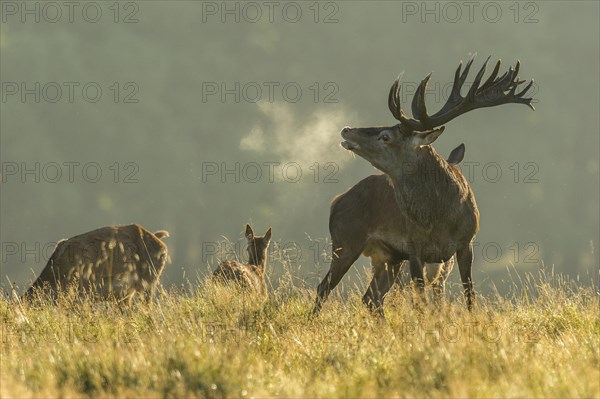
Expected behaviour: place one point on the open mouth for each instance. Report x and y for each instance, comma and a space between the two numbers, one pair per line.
349, 145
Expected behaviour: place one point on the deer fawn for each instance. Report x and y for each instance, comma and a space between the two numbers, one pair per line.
358, 221
110, 262
435, 206
249, 275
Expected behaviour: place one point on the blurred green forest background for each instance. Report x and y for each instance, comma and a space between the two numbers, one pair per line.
169, 55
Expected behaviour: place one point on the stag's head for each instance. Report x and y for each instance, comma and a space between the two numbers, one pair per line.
257, 246
387, 147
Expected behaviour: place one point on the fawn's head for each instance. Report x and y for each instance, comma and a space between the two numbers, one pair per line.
388, 147
257, 247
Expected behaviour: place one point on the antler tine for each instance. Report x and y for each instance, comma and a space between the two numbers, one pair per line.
495, 91
455, 89
525, 100
504, 81
520, 94
465, 73
419, 109
490, 80
513, 82
455, 96
475, 86
516, 72
392, 99
395, 105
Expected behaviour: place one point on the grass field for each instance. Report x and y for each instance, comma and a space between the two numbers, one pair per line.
542, 341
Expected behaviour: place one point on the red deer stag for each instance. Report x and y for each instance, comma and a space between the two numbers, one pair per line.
437, 210
251, 275
359, 221
110, 262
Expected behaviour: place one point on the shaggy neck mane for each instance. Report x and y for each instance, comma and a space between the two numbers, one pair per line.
426, 188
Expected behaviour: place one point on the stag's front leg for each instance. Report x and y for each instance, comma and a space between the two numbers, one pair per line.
416, 273
464, 257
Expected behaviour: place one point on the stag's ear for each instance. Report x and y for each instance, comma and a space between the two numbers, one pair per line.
249, 232
457, 155
427, 137
267, 236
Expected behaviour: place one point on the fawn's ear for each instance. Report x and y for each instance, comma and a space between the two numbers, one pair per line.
161, 234
249, 232
268, 235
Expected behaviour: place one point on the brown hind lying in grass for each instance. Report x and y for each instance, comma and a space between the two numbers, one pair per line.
249, 275
110, 262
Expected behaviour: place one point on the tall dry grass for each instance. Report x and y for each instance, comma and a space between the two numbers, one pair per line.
210, 341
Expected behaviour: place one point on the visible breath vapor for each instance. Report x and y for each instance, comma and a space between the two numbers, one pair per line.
286, 138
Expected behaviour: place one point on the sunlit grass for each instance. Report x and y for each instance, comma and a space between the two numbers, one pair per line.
543, 340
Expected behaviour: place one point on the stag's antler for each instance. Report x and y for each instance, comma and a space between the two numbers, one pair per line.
495, 91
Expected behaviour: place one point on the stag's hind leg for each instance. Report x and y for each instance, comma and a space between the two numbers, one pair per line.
464, 257
341, 262
384, 276
438, 279
416, 273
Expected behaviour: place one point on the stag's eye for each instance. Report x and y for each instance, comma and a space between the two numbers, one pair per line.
385, 137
